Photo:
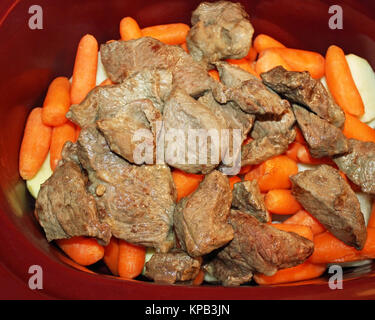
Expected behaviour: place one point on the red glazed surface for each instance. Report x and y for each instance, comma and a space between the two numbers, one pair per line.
30, 59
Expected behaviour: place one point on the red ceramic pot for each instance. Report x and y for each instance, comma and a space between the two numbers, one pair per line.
30, 59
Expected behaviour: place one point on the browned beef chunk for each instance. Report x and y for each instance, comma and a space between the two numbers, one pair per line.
65, 209
220, 30
107, 101
323, 138
359, 164
137, 202
172, 267
231, 75
183, 118
123, 58
258, 247
200, 219
301, 88
330, 199
247, 198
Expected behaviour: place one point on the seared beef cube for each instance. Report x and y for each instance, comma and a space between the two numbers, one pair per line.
329, 198
231, 75
258, 247
65, 209
220, 30
105, 102
200, 220
359, 164
184, 117
123, 58
262, 149
323, 138
247, 198
172, 267
301, 88
137, 202
120, 129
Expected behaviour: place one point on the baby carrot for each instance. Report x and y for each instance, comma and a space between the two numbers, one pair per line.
263, 42
281, 201
303, 231
302, 60
199, 278
174, 33
85, 66
302, 217
185, 183
304, 156
57, 102
371, 222
356, 129
244, 64
304, 271
184, 46
341, 84
60, 135
214, 74
252, 54
35, 145
111, 254
129, 29
269, 59
84, 251
75, 265
293, 150
245, 169
233, 180
131, 259
105, 82
299, 136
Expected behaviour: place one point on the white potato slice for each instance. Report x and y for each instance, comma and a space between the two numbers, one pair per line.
324, 83
365, 202
364, 79
303, 167
33, 185
101, 75
149, 253
210, 278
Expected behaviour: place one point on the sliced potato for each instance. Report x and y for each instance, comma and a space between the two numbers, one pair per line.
33, 185
365, 202
149, 253
101, 75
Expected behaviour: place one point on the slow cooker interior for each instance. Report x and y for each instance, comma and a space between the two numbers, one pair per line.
30, 59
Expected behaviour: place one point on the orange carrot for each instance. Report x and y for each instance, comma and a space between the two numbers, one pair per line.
303, 231
302, 60
371, 222
269, 59
84, 251
85, 66
299, 136
185, 183
304, 156
356, 129
111, 254
341, 84
184, 46
281, 201
131, 259
368, 251
244, 64
35, 144
174, 33
214, 74
252, 54
245, 169
263, 42
199, 278
75, 265
106, 82
293, 150
233, 180
304, 271
274, 173
303, 218
57, 102
129, 29
60, 135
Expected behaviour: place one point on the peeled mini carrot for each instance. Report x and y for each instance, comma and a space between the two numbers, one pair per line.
281, 201
57, 102
131, 259
214, 74
303, 218
184, 46
174, 33
341, 84
244, 64
303, 231
199, 278
263, 42
129, 29
245, 169
293, 150
304, 156
274, 173
302, 60
252, 54
61, 135
111, 254
233, 180
185, 183
304, 271
106, 82
35, 145
75, 265
269, 59
84, 251
371, 222
85, 66
299, 136
356, 129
